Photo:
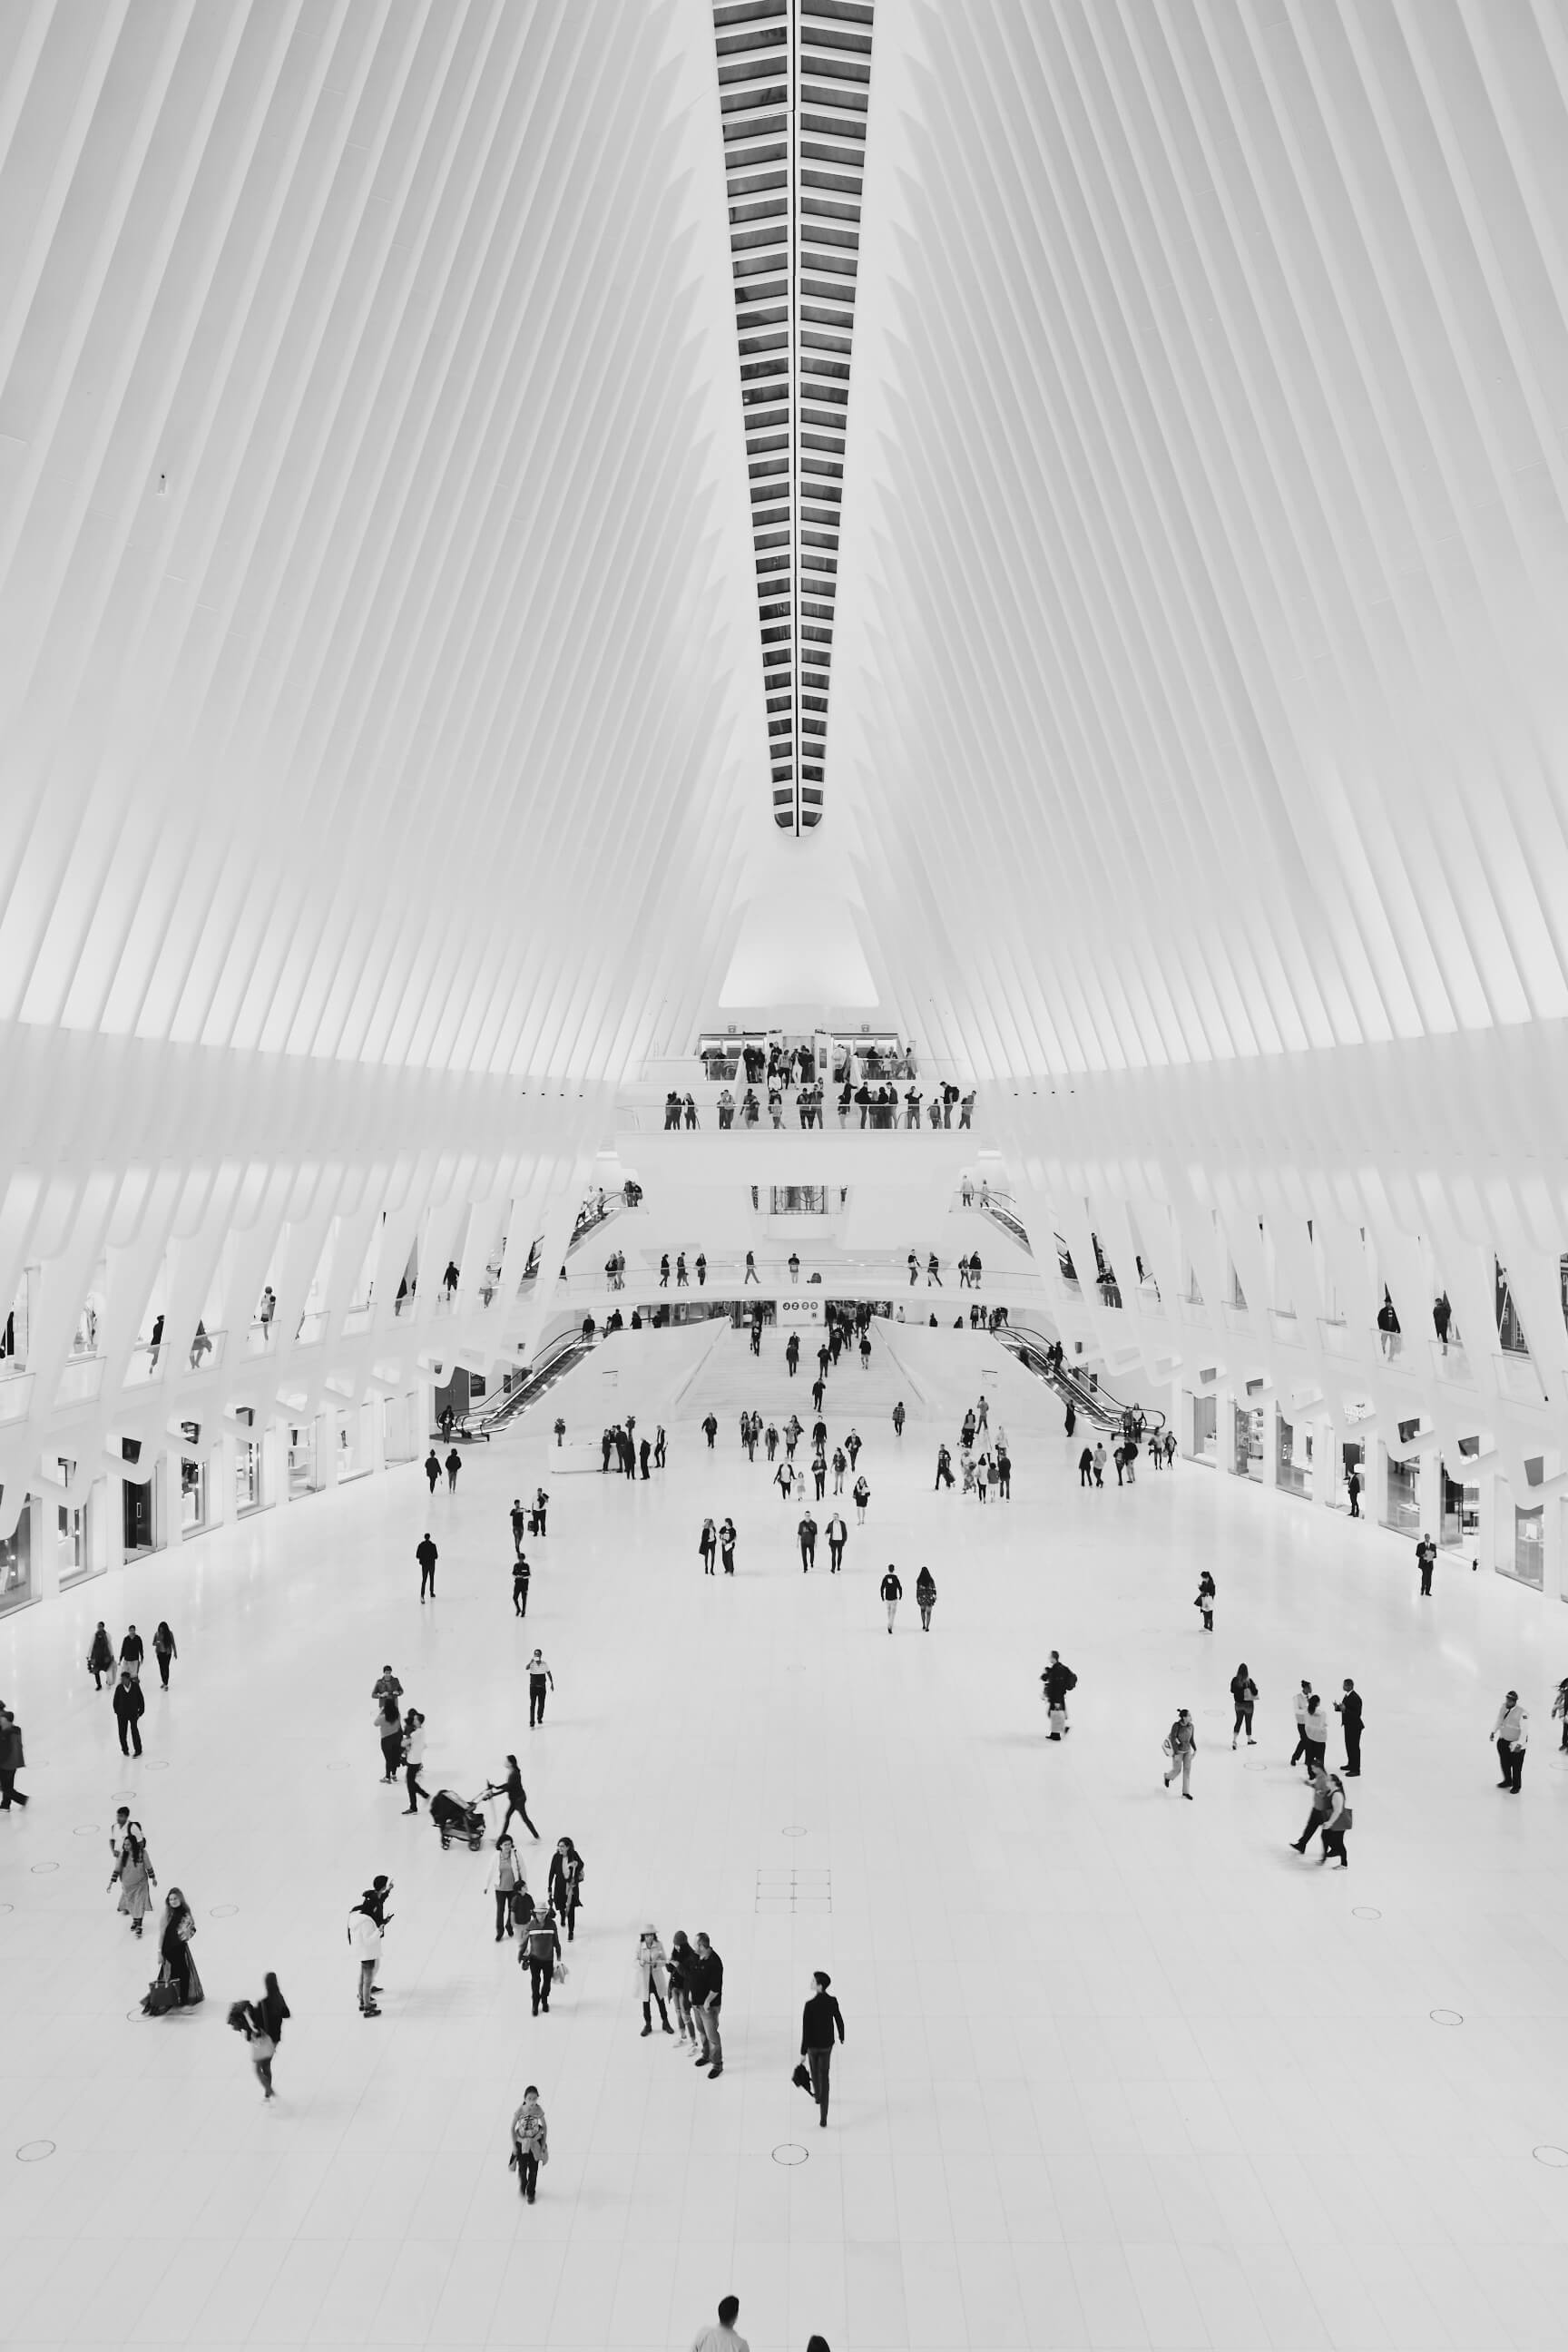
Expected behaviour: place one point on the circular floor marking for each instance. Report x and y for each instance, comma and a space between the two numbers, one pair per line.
85, 1829
223, 1911
159, 1764
1446, 2016
39, 1867
337, 1768
33, 2151
1555, 2157
6, 1906
1364, 1911
1253, 1764
793, 1831
789, 2151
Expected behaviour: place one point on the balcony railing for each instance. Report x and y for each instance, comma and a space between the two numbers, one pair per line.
1337, 1338
312, 1328
81, 1380
259, 1338
1286, 1326
1517, 1377
146, 1364
358, 1318
207, 1351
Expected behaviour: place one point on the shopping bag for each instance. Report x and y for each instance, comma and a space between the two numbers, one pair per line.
801, 2078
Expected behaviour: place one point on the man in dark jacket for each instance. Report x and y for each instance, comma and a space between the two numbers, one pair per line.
819, 2020
1349, 1710
129, 1706
807, 1533
12, 1759
706, 1985
1058, 1679
426, 1553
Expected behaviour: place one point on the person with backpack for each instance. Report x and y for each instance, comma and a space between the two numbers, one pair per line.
892, 1592
1059, 1678
1244, 1691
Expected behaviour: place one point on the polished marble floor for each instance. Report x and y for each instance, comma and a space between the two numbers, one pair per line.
1121, 2071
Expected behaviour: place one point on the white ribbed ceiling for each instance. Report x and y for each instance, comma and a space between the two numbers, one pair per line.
380, 672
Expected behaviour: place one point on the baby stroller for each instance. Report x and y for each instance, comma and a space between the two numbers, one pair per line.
457, 1817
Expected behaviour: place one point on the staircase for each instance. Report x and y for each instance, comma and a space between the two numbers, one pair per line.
732, 1381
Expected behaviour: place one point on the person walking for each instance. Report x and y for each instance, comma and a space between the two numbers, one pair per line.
852, 1445
1426, 1561
132, 1651
530, 2142
1352, 1488
271, 2014
516, 1796
163, 1650
1181, 1746
710, 1429
708, 1546
503, 1883
653, 1981
426, 1553
837, 1536
724, 2338
413, 1757
389, 1732
1337, 1822
892, 1592
542, 1949
541, 1507
1002, 1469
521, 1577
1099, 1459
659, 1446
727, 1545
134, 1875
807, 1533
176, 1928
565, 1885
861, 1494
1086, 1467
433, 1469
945, 1468
1349, 1710
820, 2020
680, 1969
898, 1417
707, 1999
244, 2018
1315, 1734
519, 1521
1059, 1678
819, 1473
840, 1463
1205, 1600
12, 1761
1244, 1693
1301, 1702
99, 1655
925, 1597
454, 1464
1559, 1713
933, 1271
129, 1708
1510, 1734
751, 1273
1321, 1807
539, 1678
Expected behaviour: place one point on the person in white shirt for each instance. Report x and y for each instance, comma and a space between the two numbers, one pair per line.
1512, 1734
365, 1942
723, 2338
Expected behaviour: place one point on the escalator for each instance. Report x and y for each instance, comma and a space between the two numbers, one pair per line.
535, 1380
1091, 1400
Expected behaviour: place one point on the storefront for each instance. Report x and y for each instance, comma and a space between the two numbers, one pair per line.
16, 1558
246, 1476
1206, 1429
1459, 1519
139, 1530
1519, 1538
1293, 1457
304, 1476
1249, 1456
1401, 1496
192, 1494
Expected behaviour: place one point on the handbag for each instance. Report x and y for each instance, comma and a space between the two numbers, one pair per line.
801, 2078
1346, 1820
262, 2046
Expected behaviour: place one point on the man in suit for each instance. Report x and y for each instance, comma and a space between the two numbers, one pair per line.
807, 1532
1349, 1710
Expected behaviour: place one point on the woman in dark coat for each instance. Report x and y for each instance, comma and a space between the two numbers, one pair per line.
100, 1657
389, 1731
163, 1650
175, 1930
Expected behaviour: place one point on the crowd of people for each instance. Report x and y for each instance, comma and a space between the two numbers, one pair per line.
783, 1101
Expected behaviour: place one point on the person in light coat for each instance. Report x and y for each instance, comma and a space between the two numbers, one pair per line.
653, 1981
135, 1873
